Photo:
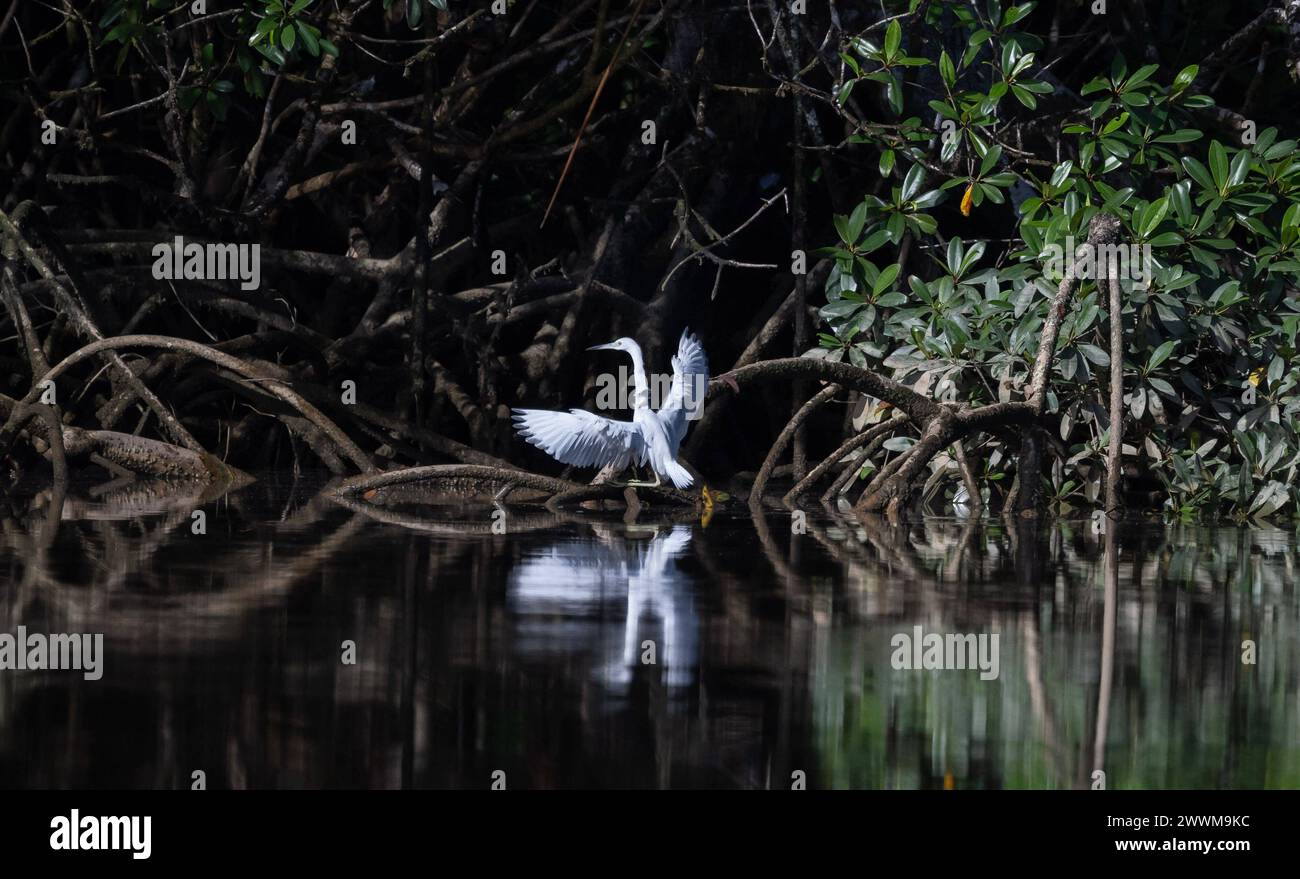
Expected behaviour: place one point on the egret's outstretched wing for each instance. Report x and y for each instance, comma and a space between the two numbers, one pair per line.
690, 382
581, 438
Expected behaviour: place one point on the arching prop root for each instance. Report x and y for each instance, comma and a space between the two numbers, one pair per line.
940, 425
276, 388
872, 439
769, 464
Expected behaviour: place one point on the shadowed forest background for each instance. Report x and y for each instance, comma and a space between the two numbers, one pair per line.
394, 161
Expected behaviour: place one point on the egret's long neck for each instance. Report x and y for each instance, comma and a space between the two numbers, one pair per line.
640, 388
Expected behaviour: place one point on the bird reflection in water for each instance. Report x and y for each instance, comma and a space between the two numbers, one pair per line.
562, 599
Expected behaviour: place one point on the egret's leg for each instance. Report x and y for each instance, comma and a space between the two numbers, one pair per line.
641, 483
612, 481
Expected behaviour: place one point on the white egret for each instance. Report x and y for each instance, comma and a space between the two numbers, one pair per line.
584, 439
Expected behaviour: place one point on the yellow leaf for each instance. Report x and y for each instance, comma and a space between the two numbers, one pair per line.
1256, 376
966, 199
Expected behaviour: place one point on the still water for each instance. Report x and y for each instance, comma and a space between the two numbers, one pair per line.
580, 650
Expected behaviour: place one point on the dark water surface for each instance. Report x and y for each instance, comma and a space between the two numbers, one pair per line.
523, 652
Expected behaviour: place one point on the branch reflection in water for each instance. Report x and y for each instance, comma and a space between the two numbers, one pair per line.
525, 651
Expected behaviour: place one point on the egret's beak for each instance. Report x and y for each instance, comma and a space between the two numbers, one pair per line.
608, 346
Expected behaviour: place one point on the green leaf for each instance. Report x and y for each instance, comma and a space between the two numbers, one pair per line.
845, 230
925, 223
1015, 13
1166, 239
865, 48
946, 70
1180, 194
1240, 168
1199, 173
308, 38
893, 38
972, 256
1226, 293
272, 52
1219, 165
1024, 96
895, 228
990, 159
955, 252
262, 32
874, 241
1184, 78
1094, 86
886, 278
857, 220
1097, 355
1141, 76
1161, 354
945, 110
839, 310
1182, 135
894, 92
1155, 214
912, 182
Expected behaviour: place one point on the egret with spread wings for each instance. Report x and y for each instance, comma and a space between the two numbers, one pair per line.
585, 439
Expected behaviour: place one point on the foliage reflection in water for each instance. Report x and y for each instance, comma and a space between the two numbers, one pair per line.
524, 651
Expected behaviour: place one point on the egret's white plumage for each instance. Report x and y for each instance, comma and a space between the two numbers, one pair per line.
581, 438
585, 439
686, 396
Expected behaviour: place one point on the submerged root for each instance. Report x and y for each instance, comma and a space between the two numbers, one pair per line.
630, 494
466, 480
496, 484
